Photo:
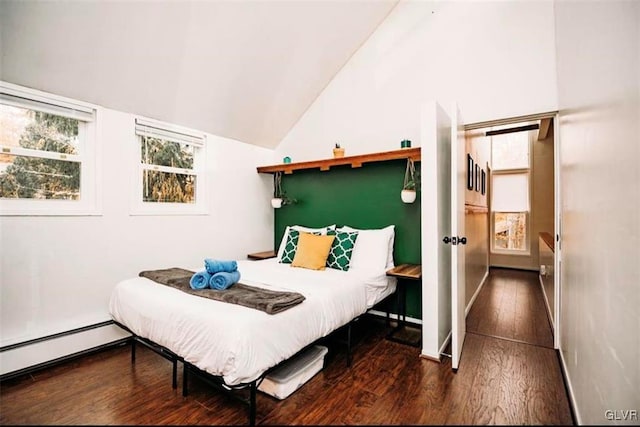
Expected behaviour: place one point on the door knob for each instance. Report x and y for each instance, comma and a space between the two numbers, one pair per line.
455, 240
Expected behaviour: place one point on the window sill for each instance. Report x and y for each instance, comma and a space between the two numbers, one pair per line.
47, 209
50, 214
517, 253
169, 212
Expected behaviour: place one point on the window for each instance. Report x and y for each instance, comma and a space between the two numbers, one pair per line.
170, 168
47, 158
510, 151
510, 193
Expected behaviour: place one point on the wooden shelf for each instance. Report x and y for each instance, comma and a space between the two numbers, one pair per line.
473, 209
354, 161
262, 255
406, 271
548, 239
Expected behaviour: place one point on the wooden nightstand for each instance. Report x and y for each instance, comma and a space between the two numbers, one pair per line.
404, 272
262, 255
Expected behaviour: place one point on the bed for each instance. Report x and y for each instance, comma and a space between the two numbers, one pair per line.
236, 345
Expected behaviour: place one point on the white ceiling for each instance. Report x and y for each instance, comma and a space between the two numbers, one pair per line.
240, 69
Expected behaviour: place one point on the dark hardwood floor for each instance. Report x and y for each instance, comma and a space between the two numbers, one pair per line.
511, 305
498, 382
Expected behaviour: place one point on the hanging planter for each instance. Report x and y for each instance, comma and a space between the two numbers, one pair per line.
276, 202
279, 198
408, 193
408, 196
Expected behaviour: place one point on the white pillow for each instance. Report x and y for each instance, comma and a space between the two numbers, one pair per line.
283, 241
373, 249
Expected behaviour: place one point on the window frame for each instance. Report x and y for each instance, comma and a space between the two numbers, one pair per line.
89, 202
195, 138
529, 171
527, 241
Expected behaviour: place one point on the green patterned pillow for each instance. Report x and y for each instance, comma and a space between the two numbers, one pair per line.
341, 249
292, 245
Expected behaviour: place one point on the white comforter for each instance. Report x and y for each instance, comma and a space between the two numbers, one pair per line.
240, 343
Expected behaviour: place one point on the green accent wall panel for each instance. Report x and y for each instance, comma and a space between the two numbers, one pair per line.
365, 197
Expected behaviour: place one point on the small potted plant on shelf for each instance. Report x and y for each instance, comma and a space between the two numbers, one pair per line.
408, 193
338, 151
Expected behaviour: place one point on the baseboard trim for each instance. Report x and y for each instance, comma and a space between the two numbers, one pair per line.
510, 267
475, 294
430, 357
546, 304
575, 414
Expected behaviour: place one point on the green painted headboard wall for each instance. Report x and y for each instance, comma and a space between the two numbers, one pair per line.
365, 197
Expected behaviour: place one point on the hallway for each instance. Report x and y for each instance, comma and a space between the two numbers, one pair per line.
511, 306
509, 344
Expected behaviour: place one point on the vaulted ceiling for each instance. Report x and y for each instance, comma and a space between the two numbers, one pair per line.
245, 70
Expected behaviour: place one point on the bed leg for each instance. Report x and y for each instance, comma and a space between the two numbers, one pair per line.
349, 345
174, 385
388, 324
252, 403
185, 374
133, 350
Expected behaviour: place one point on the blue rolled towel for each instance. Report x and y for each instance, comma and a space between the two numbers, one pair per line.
200, 280
223, 280
214, 266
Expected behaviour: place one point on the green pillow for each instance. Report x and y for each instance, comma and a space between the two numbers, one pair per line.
341, 249
291, 246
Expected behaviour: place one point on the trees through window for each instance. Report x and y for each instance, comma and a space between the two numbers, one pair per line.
177, 183
170, 164
47, 162
510, 157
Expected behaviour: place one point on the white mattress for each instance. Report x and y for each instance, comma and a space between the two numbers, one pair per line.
240, 343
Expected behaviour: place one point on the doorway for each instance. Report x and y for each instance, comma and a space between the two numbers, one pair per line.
512, 222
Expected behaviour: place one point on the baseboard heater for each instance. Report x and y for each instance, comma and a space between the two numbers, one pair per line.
32, 355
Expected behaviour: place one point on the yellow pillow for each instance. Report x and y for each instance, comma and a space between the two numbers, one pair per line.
312, 251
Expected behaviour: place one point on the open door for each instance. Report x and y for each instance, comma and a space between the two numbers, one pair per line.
557, 221
457, 239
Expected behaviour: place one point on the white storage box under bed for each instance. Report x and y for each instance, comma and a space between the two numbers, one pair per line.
291, 374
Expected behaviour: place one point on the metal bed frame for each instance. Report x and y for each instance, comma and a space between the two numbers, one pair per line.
218, 381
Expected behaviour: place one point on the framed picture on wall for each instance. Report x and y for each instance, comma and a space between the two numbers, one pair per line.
477, 183
483, 184
469, 172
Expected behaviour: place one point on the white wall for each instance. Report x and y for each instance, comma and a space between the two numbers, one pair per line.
495, 59
542, 197
598, 56
57, 273
476, 227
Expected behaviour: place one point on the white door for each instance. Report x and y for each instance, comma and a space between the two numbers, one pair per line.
557, 259
435, 172
457, 238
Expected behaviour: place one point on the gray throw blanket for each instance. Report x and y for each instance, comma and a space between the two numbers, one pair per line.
266, 300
